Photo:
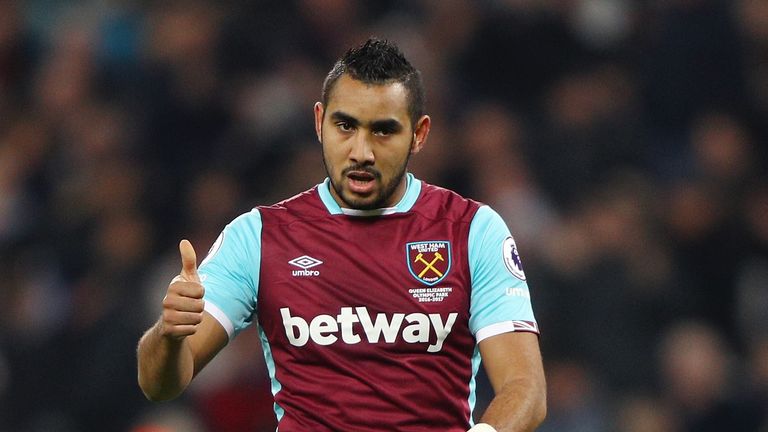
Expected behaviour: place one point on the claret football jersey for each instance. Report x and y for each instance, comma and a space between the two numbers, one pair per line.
370, 319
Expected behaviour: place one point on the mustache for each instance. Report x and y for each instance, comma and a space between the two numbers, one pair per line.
362, 168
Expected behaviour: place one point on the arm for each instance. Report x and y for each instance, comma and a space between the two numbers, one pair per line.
513, 363
500, 302
183, 340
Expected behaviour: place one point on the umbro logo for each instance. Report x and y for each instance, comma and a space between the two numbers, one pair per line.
305, 263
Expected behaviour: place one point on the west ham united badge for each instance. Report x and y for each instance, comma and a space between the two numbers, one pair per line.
512, 258
429, 261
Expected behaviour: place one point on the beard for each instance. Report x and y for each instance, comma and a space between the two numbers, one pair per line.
386, 190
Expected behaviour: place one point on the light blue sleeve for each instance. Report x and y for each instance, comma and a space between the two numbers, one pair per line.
501, 301
230, 273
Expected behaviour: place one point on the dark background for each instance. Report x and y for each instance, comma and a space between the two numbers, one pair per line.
624, 142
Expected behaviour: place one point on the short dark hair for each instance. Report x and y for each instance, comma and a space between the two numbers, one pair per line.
379, 62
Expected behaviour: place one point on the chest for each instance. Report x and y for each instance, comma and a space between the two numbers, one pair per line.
395, 265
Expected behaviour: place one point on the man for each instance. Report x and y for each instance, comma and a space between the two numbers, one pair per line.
375, 294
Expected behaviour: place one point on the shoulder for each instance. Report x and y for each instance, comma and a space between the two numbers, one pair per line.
237, 235
248, 221
304, 205
439, 202
487, 218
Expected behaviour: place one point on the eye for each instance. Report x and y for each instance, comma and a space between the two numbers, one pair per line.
383, 132
345, 126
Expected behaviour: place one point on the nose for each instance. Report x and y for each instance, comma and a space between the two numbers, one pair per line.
362, 150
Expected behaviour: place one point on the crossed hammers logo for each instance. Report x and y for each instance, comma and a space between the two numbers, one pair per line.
429, 264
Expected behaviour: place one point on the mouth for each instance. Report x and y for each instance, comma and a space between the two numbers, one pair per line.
361, 182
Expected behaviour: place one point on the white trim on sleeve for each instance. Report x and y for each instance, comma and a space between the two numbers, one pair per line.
221, 317
506, 327
482, 427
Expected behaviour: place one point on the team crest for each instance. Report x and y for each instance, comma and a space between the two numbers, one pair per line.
429, 261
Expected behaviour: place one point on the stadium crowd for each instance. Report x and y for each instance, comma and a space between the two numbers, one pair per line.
623, 141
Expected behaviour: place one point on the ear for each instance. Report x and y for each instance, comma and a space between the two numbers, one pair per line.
319, 111
420, 133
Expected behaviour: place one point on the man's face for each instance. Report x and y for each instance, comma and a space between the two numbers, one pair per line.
367, 138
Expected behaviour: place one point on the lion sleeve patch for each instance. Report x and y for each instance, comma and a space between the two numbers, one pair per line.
512, 258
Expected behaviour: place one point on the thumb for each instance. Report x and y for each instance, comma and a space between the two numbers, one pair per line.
188, 261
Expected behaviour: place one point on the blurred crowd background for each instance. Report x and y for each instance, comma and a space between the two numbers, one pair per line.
623, 141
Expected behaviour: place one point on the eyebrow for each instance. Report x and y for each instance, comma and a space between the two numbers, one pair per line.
389, 125
339, 116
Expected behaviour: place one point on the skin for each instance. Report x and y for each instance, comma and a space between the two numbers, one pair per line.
183, 340
513, 364
367, 139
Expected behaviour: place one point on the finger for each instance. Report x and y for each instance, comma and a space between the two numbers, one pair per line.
184, 303
188, 261
182, 288
175, 318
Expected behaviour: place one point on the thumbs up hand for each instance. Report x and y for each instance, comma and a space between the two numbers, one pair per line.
188, 262
183, 303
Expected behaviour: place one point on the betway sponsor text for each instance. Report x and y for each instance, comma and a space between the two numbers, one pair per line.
347, 326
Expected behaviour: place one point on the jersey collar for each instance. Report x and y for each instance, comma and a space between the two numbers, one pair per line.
412, 191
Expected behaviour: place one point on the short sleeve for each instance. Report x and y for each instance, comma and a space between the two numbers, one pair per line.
230, 273
501, 300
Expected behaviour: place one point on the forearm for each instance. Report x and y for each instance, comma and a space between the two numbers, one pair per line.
165, 365
519, 406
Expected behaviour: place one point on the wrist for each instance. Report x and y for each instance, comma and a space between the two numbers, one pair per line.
482, 427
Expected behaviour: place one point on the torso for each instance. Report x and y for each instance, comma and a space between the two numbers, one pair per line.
377, 333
